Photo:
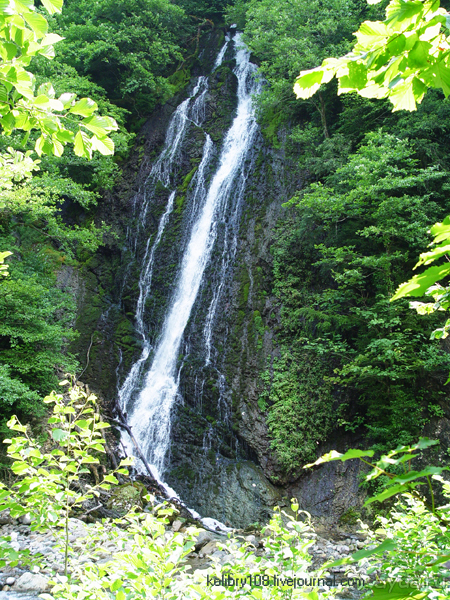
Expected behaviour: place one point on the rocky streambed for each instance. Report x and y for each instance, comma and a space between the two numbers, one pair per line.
45, 551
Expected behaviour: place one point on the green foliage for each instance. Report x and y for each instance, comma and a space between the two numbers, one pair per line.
44, 487
398, 58
25, 34
286, 36
348, 244
149, 558
426, 282
3, 267
299, 407
35, 326
412, 543
211, 9
156, 563
128, 47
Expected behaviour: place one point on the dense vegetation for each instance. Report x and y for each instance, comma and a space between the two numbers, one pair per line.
374, 184
125, 57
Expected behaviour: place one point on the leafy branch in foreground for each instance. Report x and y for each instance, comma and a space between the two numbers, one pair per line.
398, 58
409, 549
48, 485
23, 36
426, 283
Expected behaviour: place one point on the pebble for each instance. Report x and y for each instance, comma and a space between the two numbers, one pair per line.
17, 582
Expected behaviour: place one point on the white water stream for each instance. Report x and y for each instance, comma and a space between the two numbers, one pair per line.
149, 408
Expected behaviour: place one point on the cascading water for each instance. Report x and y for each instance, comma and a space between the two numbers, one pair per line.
215, 204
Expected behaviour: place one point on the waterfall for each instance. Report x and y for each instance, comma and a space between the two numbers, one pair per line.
215, 203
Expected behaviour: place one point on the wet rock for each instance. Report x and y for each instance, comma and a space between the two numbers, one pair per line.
25, 519
203, 538
209, 548
239, 492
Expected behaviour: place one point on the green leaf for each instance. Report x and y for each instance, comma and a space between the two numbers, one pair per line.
308, 83
372, 32
387, 493
333, 455
403, 12
104, 145
402, 96
65, 136
7, 8
50, 39
37, 23
396, 45
424, 443
66, 99
413, 475
116, 585
443, 75
110, 479
84, 107
8, 50
419, 284
53, 6
419, 56
440, 560
59, 435
356, 78
82, 145
100, 126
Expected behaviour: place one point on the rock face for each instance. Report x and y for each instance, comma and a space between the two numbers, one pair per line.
220, 462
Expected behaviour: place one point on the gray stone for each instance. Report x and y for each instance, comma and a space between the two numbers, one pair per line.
209, 548
25, 519
176, 525
10, 595
31, 582
203, 538
10, 581
246, 495
5, 519
221, 556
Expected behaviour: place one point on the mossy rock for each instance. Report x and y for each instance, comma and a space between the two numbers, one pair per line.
126, 496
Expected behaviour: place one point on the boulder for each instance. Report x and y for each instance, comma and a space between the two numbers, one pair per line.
31, 582
25, 519
5, 519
